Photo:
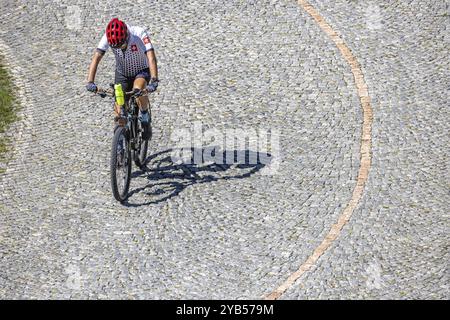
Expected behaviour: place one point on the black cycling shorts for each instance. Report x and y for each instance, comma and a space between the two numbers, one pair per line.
127, 82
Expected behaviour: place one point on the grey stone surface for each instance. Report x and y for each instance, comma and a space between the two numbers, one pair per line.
228, 232
396, 245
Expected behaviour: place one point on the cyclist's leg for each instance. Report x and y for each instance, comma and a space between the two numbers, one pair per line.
140, 82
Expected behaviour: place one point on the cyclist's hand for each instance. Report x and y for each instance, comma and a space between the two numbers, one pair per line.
152, 85
91, 87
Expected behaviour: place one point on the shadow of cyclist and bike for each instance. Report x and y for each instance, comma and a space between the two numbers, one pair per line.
167, 179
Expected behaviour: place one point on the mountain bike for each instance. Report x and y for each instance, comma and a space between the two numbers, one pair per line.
127, 144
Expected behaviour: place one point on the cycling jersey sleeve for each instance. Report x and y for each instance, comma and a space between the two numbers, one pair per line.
103, 44
146, 40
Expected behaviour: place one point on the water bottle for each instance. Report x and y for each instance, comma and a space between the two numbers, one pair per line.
118, 93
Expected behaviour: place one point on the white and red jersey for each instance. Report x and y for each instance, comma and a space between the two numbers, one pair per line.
134, 58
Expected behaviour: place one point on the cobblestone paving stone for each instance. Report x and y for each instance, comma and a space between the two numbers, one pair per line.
228, 232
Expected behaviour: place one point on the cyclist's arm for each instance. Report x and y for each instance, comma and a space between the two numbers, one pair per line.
98, 55
150, 53
152, 64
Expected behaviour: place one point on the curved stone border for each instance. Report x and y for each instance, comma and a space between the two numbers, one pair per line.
365, 153
23, 127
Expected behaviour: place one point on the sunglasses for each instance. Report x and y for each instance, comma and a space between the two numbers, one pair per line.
121, 46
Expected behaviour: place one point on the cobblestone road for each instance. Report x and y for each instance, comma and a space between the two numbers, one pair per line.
231, 231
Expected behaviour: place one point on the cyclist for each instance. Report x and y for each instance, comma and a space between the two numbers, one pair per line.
136, 66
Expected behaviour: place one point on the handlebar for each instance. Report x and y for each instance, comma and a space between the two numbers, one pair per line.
102, 92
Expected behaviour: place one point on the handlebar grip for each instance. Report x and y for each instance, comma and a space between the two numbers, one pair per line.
104, 92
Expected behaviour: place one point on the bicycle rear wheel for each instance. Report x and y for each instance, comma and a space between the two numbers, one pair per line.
140, 154
120, 165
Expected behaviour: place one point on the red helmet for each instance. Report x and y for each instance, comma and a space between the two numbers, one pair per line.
116, 33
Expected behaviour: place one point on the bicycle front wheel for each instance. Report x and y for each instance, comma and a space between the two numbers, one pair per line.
120, 165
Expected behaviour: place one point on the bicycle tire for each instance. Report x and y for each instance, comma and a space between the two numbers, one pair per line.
120, 195
140, 155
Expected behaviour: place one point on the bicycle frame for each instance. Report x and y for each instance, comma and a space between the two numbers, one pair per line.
129, 111
131, 114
